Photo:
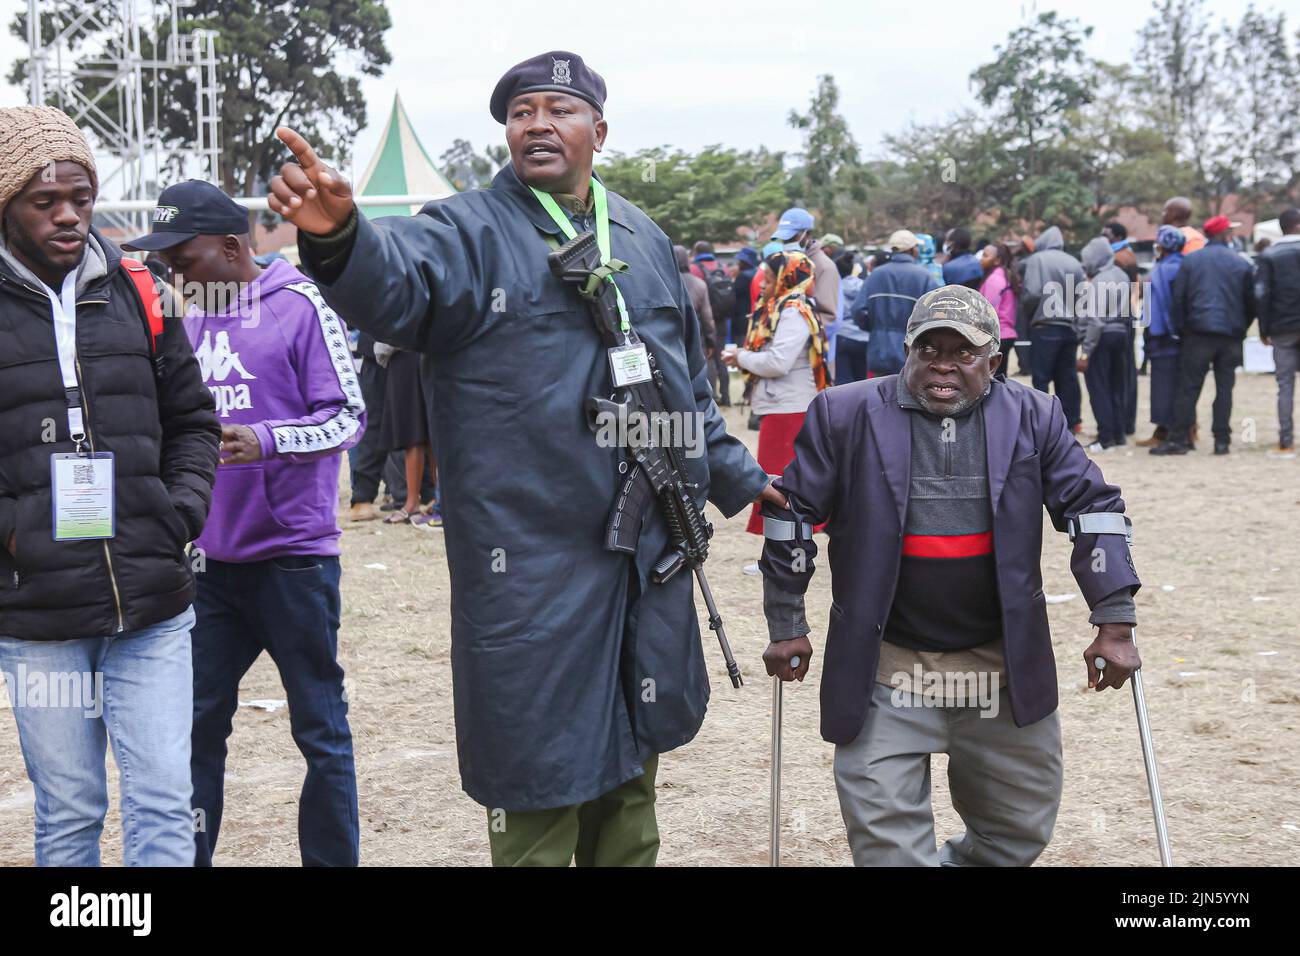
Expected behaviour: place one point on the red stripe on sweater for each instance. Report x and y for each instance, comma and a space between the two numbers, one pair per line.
947, 546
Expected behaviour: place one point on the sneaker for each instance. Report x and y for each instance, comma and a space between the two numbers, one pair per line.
1077, 428
1097, 446
1282, 451
1170, 448
752, 569
1220, 447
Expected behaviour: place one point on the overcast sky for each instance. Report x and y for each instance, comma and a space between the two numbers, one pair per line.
691, 72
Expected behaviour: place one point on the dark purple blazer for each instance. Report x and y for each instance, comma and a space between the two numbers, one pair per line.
852, 469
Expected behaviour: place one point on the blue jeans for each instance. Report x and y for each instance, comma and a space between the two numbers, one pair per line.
1052, 358
288, 607
132, 689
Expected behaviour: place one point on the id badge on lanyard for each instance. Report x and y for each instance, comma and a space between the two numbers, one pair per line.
628, 364
81, 482
81, 488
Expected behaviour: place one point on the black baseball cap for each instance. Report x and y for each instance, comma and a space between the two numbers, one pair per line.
189, 209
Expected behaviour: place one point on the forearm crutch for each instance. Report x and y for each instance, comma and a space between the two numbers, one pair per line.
774, 849
1117, 523
1148, 758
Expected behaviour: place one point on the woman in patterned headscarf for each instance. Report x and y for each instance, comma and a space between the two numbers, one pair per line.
784, 357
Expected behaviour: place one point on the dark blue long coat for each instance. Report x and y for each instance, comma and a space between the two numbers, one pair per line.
570, 668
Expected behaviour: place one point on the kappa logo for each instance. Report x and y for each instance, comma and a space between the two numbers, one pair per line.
216, 362
560, 72
165, 213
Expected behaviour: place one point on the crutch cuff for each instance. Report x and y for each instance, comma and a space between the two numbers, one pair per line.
1101, 522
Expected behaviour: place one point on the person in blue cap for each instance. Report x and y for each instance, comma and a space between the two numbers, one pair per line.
794, 232
572, 670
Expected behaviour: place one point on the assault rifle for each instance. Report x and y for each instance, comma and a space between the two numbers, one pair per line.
656, 472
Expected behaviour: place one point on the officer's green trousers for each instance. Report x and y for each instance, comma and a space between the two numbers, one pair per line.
615, 829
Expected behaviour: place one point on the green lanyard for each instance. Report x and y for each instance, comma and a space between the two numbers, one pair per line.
602, 235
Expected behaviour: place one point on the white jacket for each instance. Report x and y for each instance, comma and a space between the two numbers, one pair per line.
785, 376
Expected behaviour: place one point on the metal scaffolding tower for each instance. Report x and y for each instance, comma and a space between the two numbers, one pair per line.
94, 69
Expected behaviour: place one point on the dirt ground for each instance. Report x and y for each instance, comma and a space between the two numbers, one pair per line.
1217, 545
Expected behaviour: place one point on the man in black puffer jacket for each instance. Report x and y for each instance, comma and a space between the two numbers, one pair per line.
1212, 305
95, 610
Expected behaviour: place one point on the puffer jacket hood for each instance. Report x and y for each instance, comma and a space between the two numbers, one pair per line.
1097, 255
1049, 238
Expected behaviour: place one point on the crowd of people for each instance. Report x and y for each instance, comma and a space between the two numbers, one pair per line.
1064, 316
169, 477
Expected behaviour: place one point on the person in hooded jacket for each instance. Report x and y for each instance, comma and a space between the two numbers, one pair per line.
1052, 280
276, 359
1103, 320
89, 390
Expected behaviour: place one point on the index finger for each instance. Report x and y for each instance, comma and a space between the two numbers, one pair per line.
300, 148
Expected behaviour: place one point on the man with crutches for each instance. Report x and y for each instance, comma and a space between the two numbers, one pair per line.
932, 484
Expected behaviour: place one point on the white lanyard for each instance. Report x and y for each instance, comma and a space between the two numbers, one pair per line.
64, 312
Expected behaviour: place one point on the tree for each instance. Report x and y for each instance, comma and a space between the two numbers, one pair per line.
469, 169
831, 175
1178, 55
1117, 153
298, 63
1265, 95
941, 175
709, 195
1036, 86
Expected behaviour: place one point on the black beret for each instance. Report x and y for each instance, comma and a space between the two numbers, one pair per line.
558, 71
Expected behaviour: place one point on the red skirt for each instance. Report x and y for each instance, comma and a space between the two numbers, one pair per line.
776, 435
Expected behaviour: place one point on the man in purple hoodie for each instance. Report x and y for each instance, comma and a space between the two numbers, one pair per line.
277, 362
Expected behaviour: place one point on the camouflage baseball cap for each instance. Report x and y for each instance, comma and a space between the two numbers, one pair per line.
954, 307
